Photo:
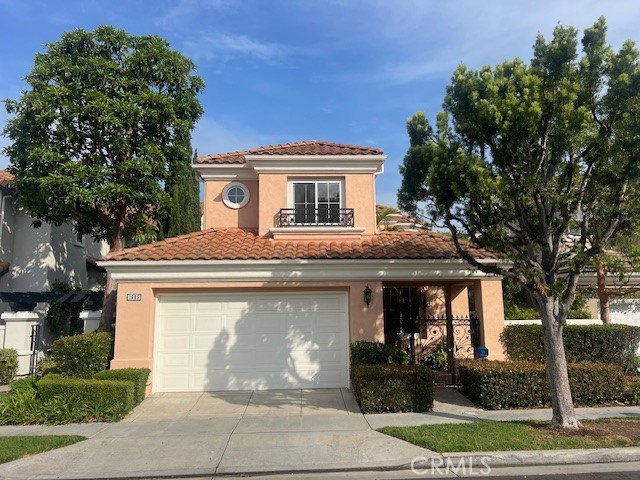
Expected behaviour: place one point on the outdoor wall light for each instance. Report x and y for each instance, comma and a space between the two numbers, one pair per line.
367, 295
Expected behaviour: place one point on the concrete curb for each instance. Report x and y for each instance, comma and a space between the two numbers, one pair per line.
470, 460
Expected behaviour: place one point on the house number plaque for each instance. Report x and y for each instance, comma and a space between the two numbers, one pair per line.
134, 297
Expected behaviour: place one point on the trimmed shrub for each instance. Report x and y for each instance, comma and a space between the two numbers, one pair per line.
615, 344
494, 385
138, 376
8, 365
632, 395
372, 353
25, 407
108, 396
22, 384
81, 355
393, 388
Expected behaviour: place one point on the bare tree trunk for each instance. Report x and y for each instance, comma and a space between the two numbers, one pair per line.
564, 415
110, 293
603, 295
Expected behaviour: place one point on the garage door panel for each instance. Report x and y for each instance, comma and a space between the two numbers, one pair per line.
174, 342
259, 341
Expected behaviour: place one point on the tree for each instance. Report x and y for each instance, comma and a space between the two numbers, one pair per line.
91, 137
183, 211
540, 163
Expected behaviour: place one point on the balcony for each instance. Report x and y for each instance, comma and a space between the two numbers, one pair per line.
315, 217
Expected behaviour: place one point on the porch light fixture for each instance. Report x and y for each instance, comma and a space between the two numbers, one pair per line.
367, 295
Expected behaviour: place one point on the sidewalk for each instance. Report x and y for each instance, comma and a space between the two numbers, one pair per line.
257, 433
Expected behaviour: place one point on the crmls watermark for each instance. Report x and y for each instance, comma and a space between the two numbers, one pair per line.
444, 466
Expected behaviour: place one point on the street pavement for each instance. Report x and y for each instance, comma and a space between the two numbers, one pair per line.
205, 434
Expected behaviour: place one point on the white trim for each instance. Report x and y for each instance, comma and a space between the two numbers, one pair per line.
227, 201
291, 270
319, 164
231, 171
320, 230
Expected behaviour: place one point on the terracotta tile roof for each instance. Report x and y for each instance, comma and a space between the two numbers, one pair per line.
236, 244
310, 147
5, 178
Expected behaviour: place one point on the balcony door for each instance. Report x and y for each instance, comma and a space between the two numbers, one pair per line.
317, 203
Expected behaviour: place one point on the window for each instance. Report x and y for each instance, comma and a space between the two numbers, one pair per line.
317, 202
79, 239
235, 195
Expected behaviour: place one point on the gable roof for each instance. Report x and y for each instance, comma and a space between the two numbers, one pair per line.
309, 147
5, 178
237, 244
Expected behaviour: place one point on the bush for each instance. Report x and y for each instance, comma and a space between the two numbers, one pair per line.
106, 397
81, 355
493, 385
24, 407
372, 353
614, 344
8, 365
138, 376
632, 395
438, 356
393, 388
23, 384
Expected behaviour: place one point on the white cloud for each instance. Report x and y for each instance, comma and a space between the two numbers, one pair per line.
416, 40
223, 47
186, 8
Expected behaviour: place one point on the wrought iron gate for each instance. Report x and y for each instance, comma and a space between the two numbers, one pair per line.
460, 334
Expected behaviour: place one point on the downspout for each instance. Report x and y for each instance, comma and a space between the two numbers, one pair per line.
2, 206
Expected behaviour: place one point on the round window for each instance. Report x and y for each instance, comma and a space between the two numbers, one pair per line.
235, 195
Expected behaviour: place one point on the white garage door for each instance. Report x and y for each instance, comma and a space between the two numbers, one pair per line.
253, 341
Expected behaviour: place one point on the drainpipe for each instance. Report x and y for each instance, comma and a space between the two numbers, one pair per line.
2, 205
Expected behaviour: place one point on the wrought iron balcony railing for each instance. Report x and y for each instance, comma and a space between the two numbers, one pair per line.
315, 217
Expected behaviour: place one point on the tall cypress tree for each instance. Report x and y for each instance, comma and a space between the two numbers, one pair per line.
183, 189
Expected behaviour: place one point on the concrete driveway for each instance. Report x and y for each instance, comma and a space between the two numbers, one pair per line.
231, 432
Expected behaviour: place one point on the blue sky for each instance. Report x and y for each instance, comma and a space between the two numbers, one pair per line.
346, 71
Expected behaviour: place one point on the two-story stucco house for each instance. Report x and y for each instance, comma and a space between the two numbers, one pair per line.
289, 269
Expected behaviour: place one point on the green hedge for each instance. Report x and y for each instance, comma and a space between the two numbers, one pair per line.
81, 355
393, 388
8, 365
372, 353
138, 376
493, 384
109, 396
615, 344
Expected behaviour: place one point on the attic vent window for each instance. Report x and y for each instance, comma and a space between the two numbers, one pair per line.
235, 195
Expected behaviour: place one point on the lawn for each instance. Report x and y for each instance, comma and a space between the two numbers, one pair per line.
504, 436
12, 448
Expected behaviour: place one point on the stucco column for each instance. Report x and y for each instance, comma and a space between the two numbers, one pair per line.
456, 300
490, 311
17, 335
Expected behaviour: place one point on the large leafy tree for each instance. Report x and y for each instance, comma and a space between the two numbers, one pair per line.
540, 162
92, 135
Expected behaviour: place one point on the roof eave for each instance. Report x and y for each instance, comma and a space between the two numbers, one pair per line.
292, 270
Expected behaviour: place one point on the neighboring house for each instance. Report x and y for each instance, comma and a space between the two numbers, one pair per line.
390, 218
32, 259
289, 269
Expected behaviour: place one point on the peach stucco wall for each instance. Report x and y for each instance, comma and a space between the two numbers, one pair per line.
270, 193
490, 310
135, 320
218, 215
